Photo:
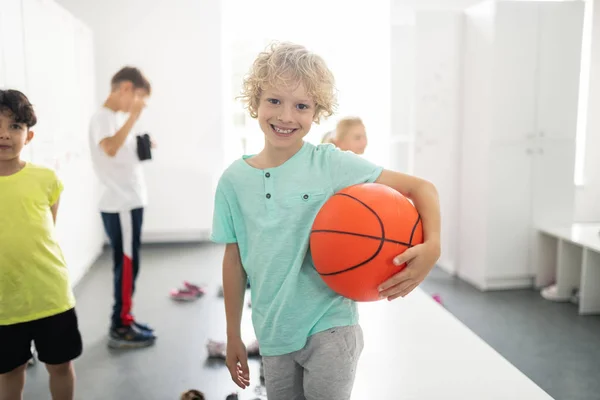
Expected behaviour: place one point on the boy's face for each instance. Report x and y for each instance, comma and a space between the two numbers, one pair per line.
128, 94
13, 136
285, 115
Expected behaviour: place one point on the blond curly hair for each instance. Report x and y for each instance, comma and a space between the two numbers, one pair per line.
288, 63
343, 126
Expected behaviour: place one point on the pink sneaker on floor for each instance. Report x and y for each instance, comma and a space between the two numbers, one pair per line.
193, 287
189, 292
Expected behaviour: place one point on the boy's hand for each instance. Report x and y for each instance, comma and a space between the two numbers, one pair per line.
420, 260
138, 105
237, 362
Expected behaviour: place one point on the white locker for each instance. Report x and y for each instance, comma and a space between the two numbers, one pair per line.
402, 97
521, 78
437, 116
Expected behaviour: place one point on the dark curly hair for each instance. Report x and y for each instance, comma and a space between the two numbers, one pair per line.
18, 106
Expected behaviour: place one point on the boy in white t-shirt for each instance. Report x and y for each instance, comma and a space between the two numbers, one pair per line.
113, 147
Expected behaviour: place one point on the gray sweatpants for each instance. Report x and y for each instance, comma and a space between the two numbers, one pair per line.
323, 370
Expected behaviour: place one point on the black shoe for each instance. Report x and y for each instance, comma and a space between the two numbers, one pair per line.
129, 338
143, 327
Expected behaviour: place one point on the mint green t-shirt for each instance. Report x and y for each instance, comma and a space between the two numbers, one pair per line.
269, 214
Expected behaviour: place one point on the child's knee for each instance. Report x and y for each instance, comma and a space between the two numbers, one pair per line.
64, 369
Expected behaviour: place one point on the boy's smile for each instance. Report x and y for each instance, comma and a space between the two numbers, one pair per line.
285, 115
283, 131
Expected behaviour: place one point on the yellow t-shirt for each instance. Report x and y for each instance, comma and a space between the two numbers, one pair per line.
34, 280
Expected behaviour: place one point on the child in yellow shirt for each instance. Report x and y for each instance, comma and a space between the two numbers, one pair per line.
36, 301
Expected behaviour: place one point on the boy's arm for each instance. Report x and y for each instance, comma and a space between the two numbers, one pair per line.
424, 196
54, 209
234, 287
421, 258
111, 145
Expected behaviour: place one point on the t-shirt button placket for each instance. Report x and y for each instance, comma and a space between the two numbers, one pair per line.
268, 182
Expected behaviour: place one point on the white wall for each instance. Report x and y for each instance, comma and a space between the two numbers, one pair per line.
358, 57
178, 46
38, 40
587, 199
403, 10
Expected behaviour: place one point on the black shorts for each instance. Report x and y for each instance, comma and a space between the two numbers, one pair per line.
57, 341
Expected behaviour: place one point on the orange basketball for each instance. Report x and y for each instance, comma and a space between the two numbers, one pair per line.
356, 236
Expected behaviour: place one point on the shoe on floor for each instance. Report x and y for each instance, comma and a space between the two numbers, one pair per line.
129, 338
185, 294
253, 349
551, 293
143, 327
32, 361
196, 288
216, 349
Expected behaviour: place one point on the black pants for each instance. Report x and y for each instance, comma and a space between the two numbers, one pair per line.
124, 231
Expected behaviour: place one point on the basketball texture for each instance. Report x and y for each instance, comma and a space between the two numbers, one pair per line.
356, 236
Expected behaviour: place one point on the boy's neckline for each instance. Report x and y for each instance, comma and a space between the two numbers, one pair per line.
248, 156
25, 165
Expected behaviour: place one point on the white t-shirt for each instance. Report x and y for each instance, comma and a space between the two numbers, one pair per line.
121, 176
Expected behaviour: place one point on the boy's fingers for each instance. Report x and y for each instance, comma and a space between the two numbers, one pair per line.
393, 291
244, 367
397, 279
408, 255
234, 377
243, 377
405, 291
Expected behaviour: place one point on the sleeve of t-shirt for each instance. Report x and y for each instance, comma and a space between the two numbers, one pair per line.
222, 228
347, 169
101, 127
56, 188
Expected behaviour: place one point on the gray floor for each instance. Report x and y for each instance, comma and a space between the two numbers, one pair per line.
178, 361
548, 342
557, 349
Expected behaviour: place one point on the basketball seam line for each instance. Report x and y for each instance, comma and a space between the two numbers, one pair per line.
362, 235
412, 234
382, 240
